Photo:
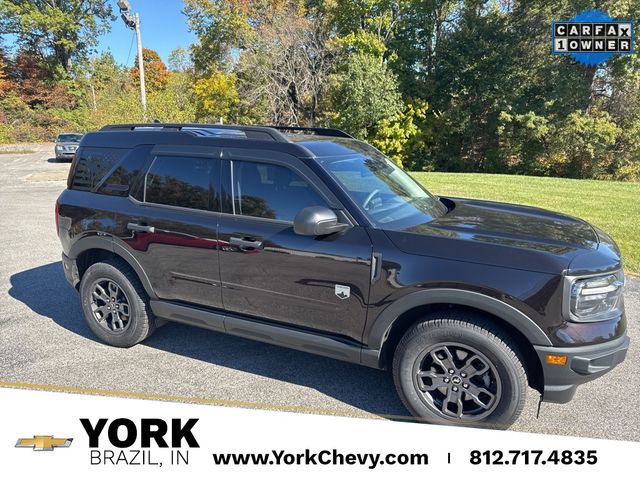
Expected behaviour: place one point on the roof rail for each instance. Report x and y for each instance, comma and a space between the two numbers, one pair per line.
251, 132
325, 132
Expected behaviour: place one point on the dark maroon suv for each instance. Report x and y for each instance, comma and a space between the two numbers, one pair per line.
310, 239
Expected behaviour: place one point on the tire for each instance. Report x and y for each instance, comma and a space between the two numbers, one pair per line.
489, 380
111, 322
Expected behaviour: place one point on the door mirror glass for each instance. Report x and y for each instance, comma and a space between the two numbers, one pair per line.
316, 221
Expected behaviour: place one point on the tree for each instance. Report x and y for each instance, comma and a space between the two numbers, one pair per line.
156, 74
284, 67
277, 49
5, 83
364, 94
221, 26
217, 97
175, 102
35, 85
180, 61
61, 31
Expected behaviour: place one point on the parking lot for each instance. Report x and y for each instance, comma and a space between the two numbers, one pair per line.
44, 339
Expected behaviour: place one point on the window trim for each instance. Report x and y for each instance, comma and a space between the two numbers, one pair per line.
173, 207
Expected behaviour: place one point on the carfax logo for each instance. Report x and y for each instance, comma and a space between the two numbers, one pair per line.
592, 37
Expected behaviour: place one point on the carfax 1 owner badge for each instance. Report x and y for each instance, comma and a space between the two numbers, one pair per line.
592, 37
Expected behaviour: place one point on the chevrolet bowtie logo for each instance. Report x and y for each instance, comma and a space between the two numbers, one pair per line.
43, 443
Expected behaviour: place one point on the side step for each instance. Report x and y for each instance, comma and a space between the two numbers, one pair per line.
262, 331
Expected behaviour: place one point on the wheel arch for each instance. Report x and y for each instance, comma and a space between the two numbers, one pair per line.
398, 317
90, 250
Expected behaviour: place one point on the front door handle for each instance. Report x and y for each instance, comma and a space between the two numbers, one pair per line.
140, 228
244, 243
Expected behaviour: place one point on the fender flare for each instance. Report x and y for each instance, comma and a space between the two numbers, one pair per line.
381, 327
108, 243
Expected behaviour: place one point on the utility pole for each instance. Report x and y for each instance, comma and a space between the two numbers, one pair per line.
132, 20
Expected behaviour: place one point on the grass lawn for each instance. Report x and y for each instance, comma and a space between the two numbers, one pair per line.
612, 206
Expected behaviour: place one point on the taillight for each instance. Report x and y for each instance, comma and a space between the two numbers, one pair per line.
57, 219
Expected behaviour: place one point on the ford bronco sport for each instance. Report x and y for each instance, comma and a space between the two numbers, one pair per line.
310, 239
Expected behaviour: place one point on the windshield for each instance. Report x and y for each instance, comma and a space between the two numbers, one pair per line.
387, 194
68, 137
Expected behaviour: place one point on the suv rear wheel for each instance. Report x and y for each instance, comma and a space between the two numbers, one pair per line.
459, 369
115, 305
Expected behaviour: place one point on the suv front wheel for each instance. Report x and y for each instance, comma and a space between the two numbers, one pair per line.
459, 369
115, 304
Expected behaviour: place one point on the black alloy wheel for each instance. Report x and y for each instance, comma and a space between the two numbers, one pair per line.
457, 381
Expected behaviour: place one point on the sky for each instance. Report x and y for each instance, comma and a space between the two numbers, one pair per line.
163, 26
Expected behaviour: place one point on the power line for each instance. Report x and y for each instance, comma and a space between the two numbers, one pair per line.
133, 34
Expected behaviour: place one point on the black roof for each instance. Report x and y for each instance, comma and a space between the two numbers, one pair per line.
291, 140
254, 132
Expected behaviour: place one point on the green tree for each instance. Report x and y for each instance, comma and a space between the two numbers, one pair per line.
174, 103
62, 31
221, 26
401, 137
180, 61
216, 97
582, 147
363, 94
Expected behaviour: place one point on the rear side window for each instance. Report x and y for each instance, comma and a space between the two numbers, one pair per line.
92, 164
181, 182
121, 179
271, 191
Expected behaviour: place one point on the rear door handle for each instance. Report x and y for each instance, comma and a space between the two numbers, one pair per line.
245, 243
140, 228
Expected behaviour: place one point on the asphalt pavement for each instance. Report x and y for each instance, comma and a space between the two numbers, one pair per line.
44, 340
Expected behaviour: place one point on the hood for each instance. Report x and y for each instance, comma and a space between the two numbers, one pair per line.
500, 234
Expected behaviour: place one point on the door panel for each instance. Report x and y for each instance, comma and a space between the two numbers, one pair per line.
292, 278
268, 271
179, 255
172, 232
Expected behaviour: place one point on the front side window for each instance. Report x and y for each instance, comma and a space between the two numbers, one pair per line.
270, 191
180, 181
386, 193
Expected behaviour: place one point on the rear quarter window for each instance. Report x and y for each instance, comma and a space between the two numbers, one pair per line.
121, 179
92, 164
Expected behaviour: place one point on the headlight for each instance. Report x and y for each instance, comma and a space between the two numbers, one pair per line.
594, 299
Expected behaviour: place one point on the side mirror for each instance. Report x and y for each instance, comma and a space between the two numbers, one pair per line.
316, 221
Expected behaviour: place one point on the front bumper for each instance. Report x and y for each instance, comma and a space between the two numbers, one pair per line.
583, 365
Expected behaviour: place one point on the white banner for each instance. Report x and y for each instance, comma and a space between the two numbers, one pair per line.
49, 434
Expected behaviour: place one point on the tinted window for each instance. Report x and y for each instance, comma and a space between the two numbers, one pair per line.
179, 181
120, 181
270, 191
92, 164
